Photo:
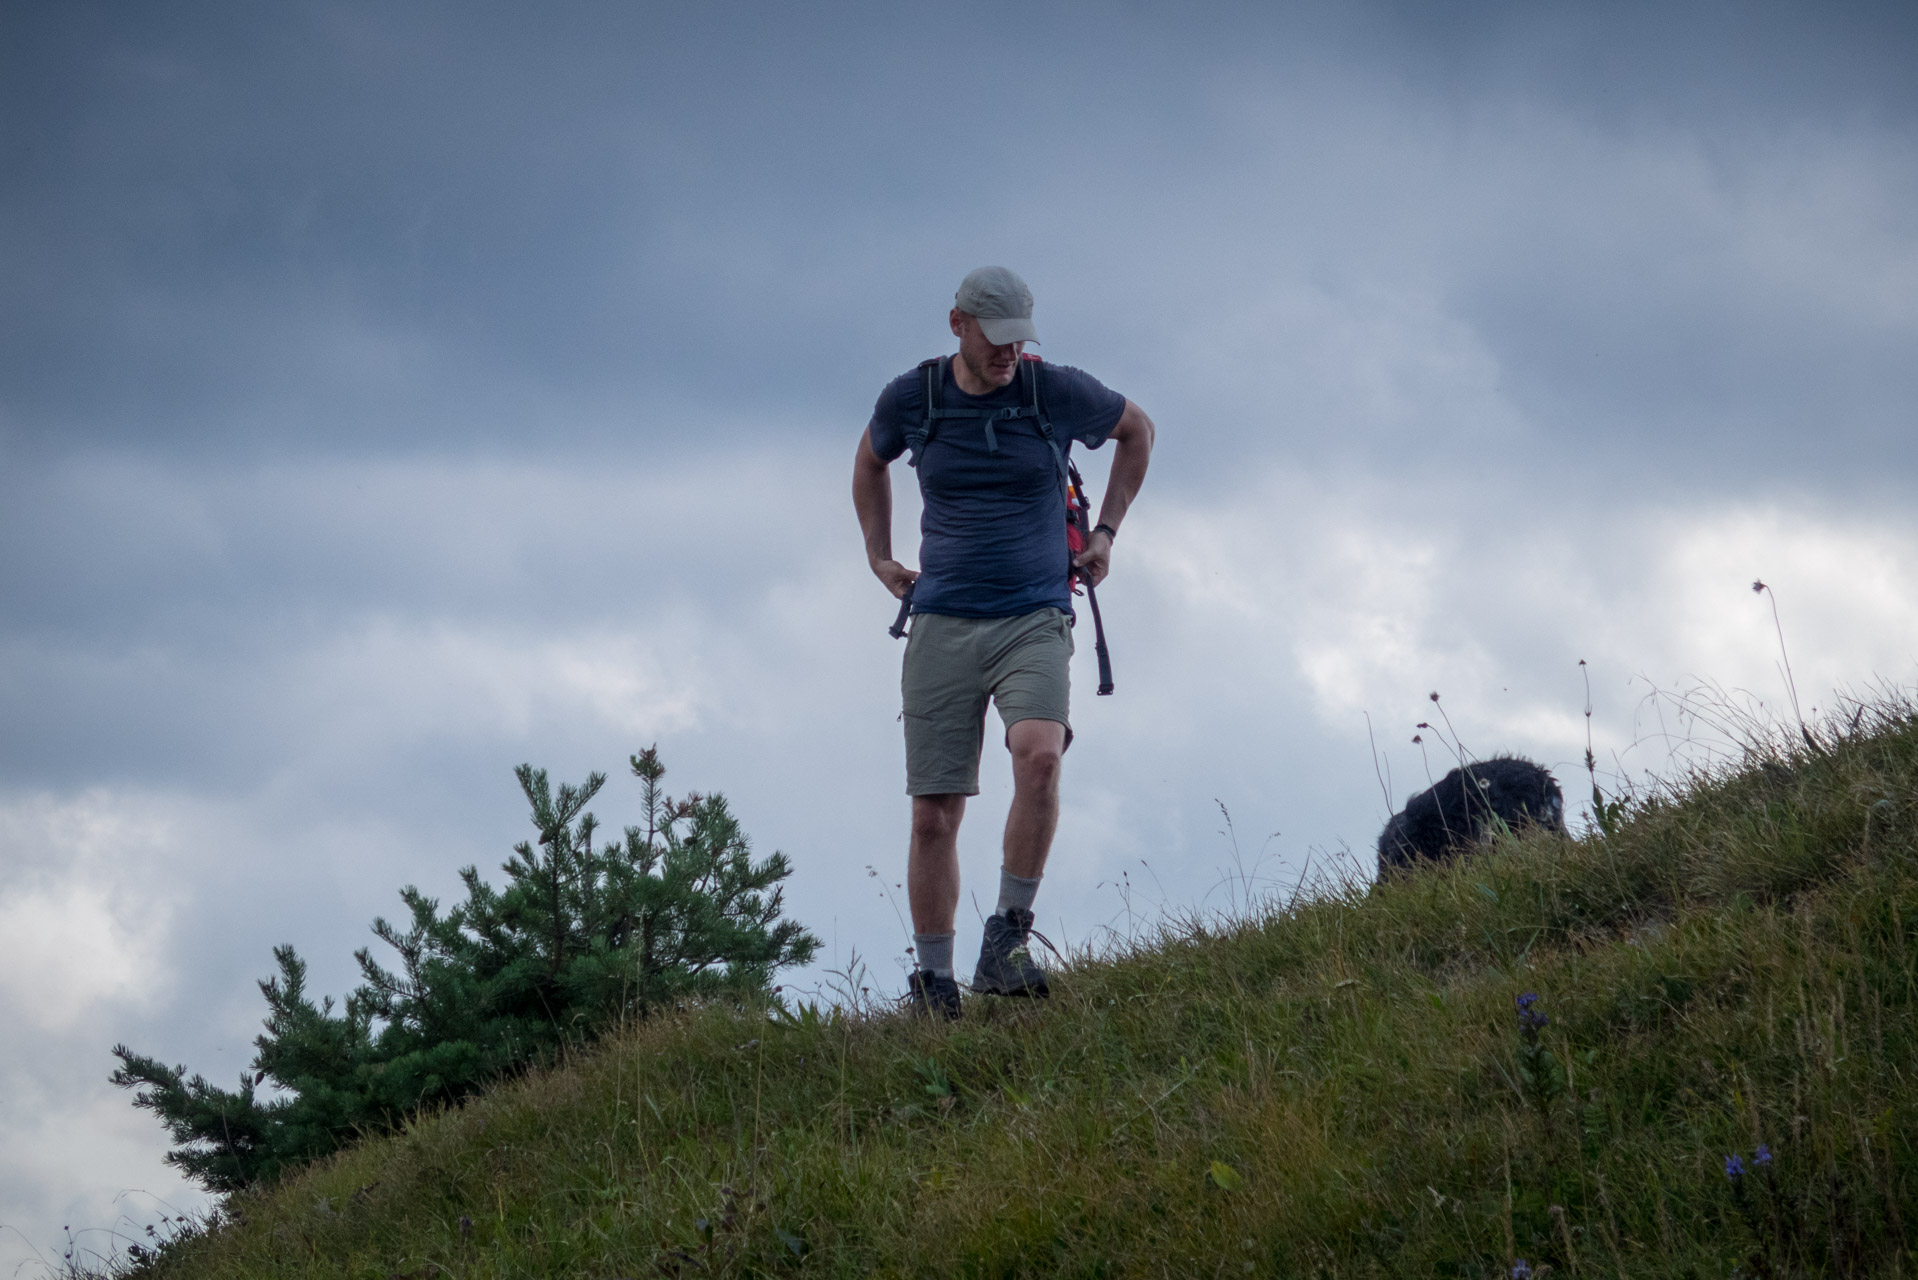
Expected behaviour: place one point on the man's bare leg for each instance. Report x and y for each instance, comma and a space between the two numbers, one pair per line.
1038, 747
932, 866
1005, 967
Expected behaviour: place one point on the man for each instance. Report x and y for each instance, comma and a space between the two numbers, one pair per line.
991, 603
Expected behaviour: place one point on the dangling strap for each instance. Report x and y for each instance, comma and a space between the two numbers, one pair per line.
1079, 511
898, 628
1099, 642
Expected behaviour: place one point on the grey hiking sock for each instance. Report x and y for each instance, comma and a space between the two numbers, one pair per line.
1015, 891
933, 951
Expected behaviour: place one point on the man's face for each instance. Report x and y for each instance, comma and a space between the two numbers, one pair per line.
993, 365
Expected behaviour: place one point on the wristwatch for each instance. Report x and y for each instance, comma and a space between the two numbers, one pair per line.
1111, 533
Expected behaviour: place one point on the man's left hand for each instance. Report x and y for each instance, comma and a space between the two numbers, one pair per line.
1096, 560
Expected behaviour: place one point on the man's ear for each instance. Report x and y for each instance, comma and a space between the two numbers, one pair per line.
958, 322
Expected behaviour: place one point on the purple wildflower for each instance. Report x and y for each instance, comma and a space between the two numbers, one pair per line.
1763, 1157
1521, 1270
1734, 1167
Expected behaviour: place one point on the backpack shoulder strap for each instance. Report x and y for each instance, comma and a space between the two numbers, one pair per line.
1033, 373
920, 434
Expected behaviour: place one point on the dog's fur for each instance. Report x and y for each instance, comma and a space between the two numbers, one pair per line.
1466, 807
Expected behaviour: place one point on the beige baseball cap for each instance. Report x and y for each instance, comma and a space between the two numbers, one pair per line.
1001, 302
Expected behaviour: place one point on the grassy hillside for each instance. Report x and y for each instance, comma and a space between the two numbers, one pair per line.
1342, 1088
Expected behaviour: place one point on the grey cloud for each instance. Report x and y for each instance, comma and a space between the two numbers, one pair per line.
166, 617
329, 228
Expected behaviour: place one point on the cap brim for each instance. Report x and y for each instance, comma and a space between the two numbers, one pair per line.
1003, 331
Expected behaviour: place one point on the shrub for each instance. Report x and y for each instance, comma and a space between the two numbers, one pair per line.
577, 941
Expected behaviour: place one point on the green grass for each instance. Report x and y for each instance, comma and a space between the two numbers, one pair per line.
1335, 1088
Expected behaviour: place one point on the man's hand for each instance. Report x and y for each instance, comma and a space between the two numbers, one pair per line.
896, 576
1096, 560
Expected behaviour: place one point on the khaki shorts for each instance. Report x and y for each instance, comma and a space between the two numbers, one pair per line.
953, 665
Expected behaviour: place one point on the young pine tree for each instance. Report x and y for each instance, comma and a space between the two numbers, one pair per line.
574, 941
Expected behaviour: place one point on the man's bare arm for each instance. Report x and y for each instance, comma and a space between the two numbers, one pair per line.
1132, 454
872, 500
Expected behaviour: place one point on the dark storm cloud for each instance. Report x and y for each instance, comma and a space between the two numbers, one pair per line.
326, 227
382, 229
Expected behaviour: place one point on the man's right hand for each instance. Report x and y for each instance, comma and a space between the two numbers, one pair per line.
896, 576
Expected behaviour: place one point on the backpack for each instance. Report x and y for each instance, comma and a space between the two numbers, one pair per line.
1078, 506
1032, 393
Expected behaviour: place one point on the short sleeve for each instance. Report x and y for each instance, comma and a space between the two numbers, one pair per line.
897, 405
1081, 407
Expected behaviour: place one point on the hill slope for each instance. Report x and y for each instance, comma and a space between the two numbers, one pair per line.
1341, 1088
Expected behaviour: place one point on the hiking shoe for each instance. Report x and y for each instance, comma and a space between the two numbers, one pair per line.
928, 994
1005, 962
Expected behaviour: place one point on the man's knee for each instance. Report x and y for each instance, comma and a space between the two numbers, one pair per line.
1037, 748
937, 818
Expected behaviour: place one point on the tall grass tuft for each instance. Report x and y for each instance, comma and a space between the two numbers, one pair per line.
1681, 1045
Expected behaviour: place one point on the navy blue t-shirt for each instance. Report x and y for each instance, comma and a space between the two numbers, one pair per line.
993, 536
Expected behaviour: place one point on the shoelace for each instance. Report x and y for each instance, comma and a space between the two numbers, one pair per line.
1030, 932
1048, 941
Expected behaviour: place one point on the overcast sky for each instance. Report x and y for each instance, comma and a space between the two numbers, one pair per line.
393, 394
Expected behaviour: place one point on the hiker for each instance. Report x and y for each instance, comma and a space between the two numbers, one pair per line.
989, 430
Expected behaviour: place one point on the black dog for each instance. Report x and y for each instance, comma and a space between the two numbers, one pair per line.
1466, 807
